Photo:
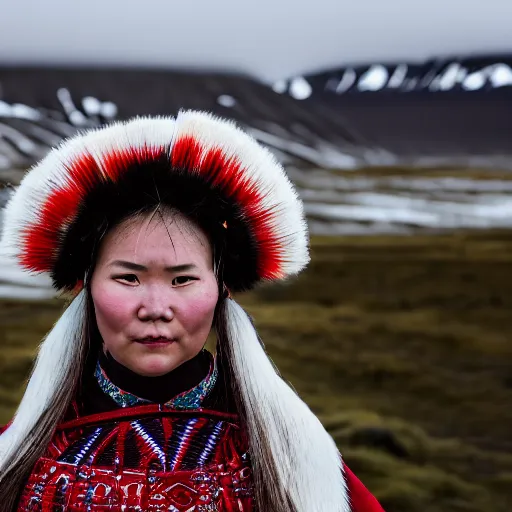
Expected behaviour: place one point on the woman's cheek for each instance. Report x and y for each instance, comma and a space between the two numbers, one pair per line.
113, 303
200, 308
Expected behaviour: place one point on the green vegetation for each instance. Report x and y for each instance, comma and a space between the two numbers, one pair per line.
401, 345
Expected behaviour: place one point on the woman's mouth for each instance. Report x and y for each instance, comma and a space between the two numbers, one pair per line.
158, 341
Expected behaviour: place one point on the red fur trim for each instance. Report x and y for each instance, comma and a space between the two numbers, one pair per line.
42, 238
116, 162
227, 174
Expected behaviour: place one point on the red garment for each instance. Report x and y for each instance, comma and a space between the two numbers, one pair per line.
147, 459
361, 500
144, 458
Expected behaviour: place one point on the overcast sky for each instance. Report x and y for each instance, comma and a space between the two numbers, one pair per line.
270, 39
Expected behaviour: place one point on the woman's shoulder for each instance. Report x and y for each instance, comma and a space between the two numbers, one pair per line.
361, 499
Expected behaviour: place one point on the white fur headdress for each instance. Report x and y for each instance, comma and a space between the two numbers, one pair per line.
196, 162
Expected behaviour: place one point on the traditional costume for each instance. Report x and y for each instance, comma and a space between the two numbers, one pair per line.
218, 433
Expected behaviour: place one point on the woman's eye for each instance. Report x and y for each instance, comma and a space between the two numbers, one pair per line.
180, 280
130, 278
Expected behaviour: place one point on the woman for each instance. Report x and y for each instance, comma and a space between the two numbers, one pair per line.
150, 224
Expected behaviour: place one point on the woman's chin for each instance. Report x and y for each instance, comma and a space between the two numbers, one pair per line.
155, 365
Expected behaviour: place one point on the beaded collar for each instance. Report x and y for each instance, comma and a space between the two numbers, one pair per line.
191, 399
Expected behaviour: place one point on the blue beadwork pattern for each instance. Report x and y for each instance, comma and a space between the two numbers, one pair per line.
191, 399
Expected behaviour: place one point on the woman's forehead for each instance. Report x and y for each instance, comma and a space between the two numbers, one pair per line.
158, 238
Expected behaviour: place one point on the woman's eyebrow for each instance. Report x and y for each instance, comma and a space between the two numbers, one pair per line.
141, 268
127, 264
181, 268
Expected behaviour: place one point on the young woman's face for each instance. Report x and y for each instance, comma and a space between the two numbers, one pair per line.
154, 293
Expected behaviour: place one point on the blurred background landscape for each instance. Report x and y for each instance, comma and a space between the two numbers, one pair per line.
394, 124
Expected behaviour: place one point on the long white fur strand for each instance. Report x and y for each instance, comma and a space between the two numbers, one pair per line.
57, 353
305, 455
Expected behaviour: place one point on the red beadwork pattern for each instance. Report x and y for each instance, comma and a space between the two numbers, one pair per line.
170, 462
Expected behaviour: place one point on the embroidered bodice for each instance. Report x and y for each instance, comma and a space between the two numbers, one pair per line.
139, 456
144, 459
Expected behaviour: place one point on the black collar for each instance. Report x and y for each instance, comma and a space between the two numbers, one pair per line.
158, 389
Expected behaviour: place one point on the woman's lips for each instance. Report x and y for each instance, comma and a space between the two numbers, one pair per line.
155, 342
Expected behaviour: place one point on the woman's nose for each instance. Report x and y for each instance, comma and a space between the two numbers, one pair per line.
156, 306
